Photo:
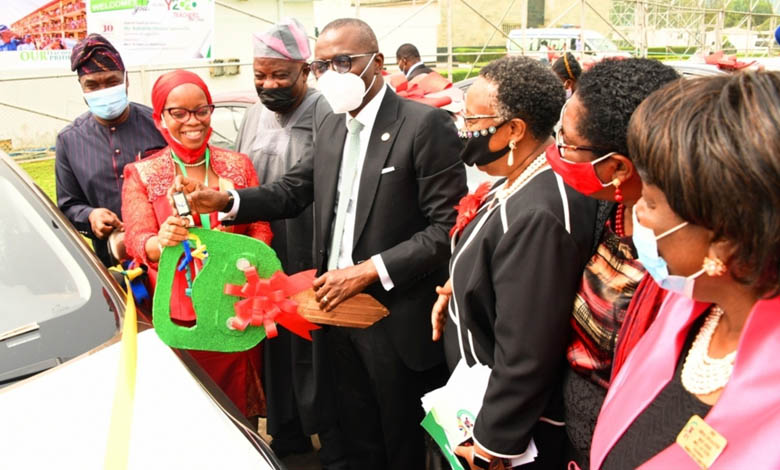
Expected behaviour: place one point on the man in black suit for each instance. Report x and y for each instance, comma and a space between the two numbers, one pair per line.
385, 175
408, 58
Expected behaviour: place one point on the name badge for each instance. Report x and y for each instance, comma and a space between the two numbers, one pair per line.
701, 442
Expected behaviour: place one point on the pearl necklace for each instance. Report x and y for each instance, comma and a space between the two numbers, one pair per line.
193, 165
701, 374
531, 170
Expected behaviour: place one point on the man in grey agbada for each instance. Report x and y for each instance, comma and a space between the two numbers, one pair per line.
276, 133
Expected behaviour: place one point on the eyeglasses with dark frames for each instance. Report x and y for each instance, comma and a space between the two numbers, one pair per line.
183, 114
563, 147
340, 63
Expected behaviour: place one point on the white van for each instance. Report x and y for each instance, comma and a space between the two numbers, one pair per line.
530, 42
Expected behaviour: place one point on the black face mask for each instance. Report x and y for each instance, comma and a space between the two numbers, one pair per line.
278, 100
477, 146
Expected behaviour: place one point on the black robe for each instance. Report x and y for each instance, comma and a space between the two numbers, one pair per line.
515, 271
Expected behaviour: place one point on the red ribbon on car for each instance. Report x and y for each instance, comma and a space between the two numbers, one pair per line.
267, 302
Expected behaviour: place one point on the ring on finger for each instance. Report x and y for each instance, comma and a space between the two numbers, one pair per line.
325, 298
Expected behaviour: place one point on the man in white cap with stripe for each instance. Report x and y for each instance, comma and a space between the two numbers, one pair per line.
276, 133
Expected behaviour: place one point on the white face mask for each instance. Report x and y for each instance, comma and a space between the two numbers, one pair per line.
344, 91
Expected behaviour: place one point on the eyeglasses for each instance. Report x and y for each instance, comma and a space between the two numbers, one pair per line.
340, 63
183, 114
563, 147
488, 131
472, 117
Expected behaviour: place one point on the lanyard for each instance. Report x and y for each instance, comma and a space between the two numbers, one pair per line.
205, 222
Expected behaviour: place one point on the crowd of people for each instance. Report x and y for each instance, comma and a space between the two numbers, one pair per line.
620, 280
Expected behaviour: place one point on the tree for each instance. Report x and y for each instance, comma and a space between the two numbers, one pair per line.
760, 12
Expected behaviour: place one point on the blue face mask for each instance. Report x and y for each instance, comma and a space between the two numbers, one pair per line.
646, 243
108, 103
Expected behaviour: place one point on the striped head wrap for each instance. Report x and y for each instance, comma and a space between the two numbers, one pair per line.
95, 54
286, 40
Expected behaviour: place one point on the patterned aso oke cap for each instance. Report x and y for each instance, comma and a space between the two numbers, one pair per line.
285, 40
95, 54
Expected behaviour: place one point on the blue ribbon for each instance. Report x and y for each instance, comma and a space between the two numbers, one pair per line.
187, 256
137, 285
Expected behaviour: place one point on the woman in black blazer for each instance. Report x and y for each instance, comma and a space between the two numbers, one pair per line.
515, 265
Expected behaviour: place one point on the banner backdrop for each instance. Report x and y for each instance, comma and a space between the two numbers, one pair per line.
40, 33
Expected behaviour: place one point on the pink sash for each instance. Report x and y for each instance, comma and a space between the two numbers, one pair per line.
747, 413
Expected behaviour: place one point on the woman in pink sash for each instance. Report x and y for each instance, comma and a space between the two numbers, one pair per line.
701, 389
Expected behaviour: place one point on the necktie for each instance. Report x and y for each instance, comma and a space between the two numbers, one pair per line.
348, 171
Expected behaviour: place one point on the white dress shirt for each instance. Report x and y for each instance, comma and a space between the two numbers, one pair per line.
367, 117
414, 66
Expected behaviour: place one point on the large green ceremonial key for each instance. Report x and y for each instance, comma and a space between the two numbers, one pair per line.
213, 308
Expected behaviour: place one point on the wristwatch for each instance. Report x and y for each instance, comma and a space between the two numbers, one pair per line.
479, 460
229, 204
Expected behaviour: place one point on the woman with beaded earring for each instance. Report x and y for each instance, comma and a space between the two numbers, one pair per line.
701, 389
592, 156
518, 254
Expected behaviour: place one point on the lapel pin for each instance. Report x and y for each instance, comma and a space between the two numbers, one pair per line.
385, 137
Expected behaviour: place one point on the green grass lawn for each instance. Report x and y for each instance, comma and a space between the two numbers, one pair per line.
42, 173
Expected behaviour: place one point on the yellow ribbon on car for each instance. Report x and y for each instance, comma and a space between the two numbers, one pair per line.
118, 445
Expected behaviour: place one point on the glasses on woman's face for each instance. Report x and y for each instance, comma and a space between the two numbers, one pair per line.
340, 63
183, 114
563, 147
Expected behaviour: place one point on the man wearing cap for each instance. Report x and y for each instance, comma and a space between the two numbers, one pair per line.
276, 133
92, 151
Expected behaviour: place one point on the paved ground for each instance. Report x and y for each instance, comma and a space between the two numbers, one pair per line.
307, 461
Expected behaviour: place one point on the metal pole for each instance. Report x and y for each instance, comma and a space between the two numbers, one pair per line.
492, 35
449, 39
414, 13
582, 30
500, 31
749, 27
608, 23
524, 24
719, 29
565, 12
643, 33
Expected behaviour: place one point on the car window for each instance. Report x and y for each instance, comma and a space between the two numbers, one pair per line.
225, 123
57, 302
39, 278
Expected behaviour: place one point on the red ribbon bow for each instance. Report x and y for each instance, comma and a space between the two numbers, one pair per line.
267, 302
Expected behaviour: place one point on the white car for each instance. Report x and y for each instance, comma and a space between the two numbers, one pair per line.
60, 320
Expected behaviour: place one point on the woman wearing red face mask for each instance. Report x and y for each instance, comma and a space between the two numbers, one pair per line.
592, 157
700, 389
182, 113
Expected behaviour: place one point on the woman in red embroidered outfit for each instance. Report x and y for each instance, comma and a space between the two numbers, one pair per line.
182, 113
